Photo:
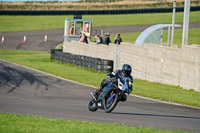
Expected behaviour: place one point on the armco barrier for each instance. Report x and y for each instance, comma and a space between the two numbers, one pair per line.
90, 12
100, 65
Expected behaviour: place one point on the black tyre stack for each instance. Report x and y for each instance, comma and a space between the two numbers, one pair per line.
100, 65
91, 12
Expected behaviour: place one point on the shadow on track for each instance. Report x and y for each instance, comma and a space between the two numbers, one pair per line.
12, 78
154, 115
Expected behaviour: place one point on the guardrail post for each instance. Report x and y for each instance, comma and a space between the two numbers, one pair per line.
117, 57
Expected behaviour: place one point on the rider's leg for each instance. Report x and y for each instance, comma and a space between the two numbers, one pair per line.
104, 82
124, 98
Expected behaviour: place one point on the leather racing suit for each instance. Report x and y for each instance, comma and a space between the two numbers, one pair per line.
117, 74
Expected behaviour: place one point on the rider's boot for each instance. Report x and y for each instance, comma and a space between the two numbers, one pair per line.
93, 95
123, 98
96, 93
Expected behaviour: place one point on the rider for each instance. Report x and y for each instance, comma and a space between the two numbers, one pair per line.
125, 72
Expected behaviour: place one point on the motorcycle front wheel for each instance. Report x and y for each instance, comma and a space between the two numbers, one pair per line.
92, 106
110, 101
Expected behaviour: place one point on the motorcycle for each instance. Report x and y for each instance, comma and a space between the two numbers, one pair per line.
109, 97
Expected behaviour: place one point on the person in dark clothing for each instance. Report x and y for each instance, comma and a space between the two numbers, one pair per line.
85, 39
101, 39
118, 39
106, 39
125, 72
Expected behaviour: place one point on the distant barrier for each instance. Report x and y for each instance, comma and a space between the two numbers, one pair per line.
100, 65
90, 12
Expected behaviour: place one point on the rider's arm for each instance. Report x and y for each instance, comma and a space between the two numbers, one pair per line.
130, 88
130, 85
113, 74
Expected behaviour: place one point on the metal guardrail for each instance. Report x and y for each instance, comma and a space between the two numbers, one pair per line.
90, 12
100, 65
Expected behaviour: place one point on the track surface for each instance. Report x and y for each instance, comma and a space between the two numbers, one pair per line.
35, 39
27, 91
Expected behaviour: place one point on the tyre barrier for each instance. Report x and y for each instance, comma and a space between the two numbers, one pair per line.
93, 12
100, 65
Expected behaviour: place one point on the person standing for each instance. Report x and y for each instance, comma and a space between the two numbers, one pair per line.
118, 39
107, 38
71, 30
97, 37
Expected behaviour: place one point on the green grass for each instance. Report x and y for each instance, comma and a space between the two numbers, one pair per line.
140, 19
41, 61
13, 123
193, 37
166, 93
127, 37
60, 46
24, 23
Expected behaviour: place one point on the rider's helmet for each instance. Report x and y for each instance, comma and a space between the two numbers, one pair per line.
126, 69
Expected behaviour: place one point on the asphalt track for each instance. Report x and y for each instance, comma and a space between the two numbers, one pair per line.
35, 39
26, 91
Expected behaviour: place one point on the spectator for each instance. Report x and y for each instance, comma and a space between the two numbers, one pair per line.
101, 39
118, 39
97, 37
83, 38
71, 30
106, 39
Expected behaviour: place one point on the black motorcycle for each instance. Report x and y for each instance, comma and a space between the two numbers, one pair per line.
109, 96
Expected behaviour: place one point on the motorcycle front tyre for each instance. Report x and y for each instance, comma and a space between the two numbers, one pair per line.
92, 106
110, 109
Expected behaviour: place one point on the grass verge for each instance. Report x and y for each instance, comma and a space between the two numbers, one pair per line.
41, 61
25, 23
13, 123
193, 36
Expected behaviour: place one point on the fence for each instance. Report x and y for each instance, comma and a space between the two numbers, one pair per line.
100, 65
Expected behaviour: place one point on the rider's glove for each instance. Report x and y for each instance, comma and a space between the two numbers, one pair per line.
128, 91
108, 77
